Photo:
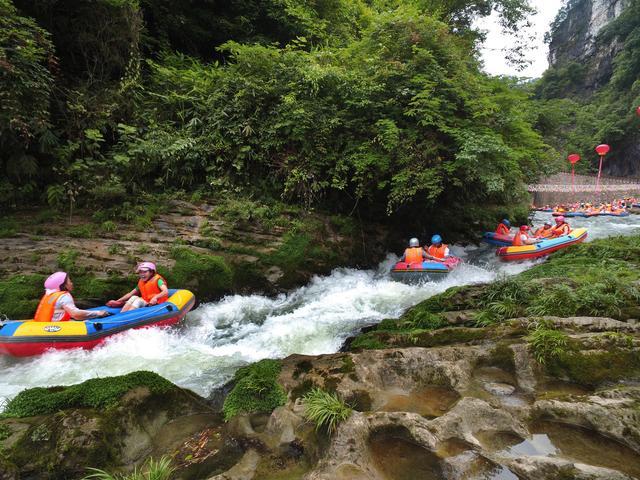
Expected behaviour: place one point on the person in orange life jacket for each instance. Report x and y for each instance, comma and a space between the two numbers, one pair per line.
437, 251
151, 290
413, 254
504, 227
561, 228
523, 238
545, 231
57, 304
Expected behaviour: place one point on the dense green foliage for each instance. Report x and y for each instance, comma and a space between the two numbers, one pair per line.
338, 104
256, 389
325, 409
572, 116
94, 393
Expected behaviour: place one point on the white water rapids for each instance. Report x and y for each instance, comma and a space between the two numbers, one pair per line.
217, 338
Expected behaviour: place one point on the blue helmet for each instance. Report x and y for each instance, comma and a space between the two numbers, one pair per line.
506, 222
436, 239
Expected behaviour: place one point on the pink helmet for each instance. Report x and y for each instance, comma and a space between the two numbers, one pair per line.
524, 228
55, 280
560, 219
146, 266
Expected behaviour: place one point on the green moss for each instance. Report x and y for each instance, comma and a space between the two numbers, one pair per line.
593, 368
368, 341
348, 365
502, 357
209, 275
256, 389
19, 295
95, 393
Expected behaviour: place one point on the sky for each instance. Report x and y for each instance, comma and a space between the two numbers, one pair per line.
493, 55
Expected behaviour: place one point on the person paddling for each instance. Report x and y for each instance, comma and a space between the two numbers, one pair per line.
437, 251
57, 304
504, 227
151, 290
561, 228
413, 254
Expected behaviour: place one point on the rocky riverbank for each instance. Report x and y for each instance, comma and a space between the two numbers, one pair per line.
531, 377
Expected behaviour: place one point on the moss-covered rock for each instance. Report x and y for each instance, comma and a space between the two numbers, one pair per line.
208, 276
256, 389
106, 423
94, 393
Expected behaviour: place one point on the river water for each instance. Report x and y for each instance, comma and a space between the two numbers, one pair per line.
217, 338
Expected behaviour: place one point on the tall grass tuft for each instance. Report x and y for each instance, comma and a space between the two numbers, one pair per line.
547, 343
325, 409
152, 470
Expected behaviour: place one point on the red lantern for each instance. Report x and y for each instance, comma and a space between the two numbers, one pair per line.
638, 111
602, 150
573, 158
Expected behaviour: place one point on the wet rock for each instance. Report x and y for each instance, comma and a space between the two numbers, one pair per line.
501, 389
613, 414
243, 470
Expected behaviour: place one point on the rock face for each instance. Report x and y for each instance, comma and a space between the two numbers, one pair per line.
575, 39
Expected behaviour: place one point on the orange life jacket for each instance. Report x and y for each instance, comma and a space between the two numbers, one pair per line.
47, 306
150, 288
502, 229
413, 255
544, 232
560, 230
437, 252
517, 240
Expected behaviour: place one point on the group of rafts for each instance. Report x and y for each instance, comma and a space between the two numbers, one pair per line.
434, 262
615, 208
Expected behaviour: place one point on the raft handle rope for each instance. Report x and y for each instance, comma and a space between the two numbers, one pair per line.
98, 325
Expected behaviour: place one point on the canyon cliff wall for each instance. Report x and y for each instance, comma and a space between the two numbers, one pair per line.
585, 53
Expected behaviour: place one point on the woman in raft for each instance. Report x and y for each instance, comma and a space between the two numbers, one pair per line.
57, 304
151, 290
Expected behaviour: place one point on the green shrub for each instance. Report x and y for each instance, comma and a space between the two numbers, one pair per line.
67, 260
81, 231
256, 389
5, 432
325, 409
8, 228
109, 226
115, 249
95, 393
547, 343
152, 470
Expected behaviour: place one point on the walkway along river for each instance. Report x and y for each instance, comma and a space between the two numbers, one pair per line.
217, 338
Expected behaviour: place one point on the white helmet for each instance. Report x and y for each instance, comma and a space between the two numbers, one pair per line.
414, 242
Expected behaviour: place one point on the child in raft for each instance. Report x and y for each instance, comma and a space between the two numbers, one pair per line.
151, 290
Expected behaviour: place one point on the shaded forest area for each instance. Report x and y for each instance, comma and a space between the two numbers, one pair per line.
375, 106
